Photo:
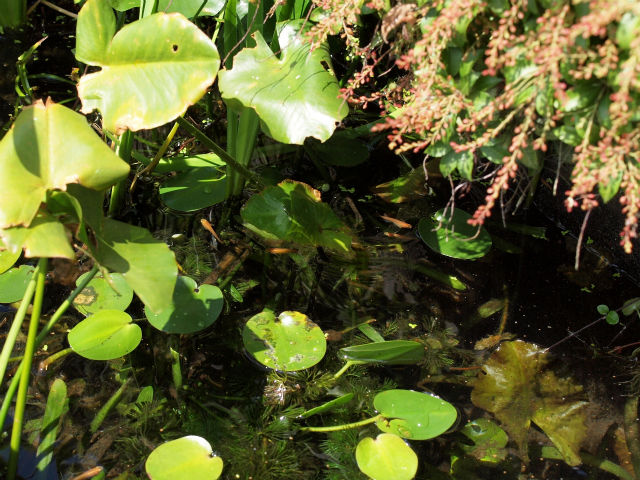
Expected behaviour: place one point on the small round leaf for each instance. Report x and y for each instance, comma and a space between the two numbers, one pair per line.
414, 415
612, 318
187, 458
453, 237
602, 309
105, 335
193, 308
100, 294
387, 457
13, 283
288, 343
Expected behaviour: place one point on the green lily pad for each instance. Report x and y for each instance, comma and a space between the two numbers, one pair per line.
152, 69
101, 294
330, 405
518, 389
388, 457
287, 343
488, 438
194, 189
188, 8
292, 212
13, 283
105, 335
187, 458
414, 415
48, 147
392, 352
454, 237
193, 308
295, 96
147, 264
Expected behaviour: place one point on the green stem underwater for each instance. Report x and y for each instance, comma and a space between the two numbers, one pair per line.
346, 426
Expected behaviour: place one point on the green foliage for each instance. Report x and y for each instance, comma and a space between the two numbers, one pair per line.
105, 335
184, 459
292, 212
294, 95
393, 352
289, 342
193, 308
152, 69
57, 405
13, 283
113, 293
387, 457
453, 236
489, 440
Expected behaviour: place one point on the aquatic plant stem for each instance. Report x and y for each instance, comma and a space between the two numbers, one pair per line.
29, 349
13, 386
10, 340
632, 432
157, 157
346, 426
44, 365
552, 453
346, 366
107, 407
176, 371
123, 150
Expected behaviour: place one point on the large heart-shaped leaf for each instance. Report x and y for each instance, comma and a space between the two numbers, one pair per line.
387, 457
193, 308
414, 415
48, 147
152, 69
292, 212
194, 189
106, 335
518, 389
147, 264
290, 342
295, 96
187, 458
453, 236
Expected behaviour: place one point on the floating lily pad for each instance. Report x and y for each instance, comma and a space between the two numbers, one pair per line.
292, 212
101, 294
152, 69
388, 457
13, 283
295, 95
414, 415
193, 308
453, 236
105, 335
518, 389
187, 458
194, 189
288, 343
488, 438
392, 352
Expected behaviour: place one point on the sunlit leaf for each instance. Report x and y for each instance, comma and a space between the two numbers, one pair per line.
517, 388
289, 342
113, 293
292, 212
388, 457
188, 8
152, 69
295, 94
106, 335
13, 283
414, 415
147, 264
187, 458
48, 147
45, 237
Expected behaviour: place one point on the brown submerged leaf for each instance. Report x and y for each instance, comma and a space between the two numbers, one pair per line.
518, 389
